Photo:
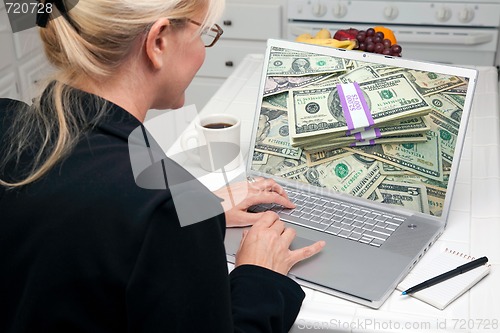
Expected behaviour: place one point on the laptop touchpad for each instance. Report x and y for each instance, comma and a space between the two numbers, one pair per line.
300, 242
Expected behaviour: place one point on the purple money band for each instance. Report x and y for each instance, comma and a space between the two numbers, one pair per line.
368, 133
354, 106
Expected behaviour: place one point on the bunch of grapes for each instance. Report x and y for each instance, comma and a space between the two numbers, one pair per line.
371, 41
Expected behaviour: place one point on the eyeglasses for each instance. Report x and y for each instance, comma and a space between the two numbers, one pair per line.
211, 35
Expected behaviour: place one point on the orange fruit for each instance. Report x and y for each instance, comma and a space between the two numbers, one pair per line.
388, 33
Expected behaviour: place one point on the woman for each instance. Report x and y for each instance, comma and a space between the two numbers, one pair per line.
83, 249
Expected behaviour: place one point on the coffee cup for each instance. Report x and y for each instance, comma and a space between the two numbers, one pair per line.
217, 139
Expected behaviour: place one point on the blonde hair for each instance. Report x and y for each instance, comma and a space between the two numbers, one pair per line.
94, 44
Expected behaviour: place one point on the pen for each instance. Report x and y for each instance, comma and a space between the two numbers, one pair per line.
445, 276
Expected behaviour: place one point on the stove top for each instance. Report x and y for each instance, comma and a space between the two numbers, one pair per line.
470, 13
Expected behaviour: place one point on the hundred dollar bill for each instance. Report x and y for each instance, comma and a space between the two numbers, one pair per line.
319, 111
278, 84
359, 74
348, 175
302, 63
429, 83
399, 127
424, 158
408, 196
320, 157
402, 138
272, 134
447, 130
442, 104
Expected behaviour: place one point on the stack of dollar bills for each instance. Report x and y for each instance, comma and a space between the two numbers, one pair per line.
407, 147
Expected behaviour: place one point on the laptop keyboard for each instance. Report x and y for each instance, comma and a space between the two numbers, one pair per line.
337, 218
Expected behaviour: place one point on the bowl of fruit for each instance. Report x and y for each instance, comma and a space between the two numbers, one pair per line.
378, 39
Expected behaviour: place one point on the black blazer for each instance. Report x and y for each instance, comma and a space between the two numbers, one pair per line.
85, 249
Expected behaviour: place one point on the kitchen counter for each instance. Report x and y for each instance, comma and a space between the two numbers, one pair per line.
473, 228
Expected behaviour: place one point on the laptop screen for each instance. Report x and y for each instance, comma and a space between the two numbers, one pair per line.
384, 129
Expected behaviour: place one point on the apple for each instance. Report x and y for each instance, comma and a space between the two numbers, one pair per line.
346, 34
353, 31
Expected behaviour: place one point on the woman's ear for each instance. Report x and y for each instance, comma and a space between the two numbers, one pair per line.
156, 42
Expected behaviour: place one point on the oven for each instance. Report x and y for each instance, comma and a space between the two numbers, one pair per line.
448, 31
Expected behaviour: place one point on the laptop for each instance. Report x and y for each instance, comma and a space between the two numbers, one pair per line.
368, 146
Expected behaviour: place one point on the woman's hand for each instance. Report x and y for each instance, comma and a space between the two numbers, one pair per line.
267, 244
240, 196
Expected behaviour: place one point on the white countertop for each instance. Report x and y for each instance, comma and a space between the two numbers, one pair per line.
473, 228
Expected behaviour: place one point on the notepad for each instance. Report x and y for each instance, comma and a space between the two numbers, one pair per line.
442, 294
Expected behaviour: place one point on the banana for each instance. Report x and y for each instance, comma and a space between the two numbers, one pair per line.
303, 37
328, 42
354, 43
323, 37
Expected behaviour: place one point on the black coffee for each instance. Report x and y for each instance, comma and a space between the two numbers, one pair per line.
218, 125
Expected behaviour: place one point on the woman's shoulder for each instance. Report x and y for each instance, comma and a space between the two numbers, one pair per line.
9, 106
9, 103
8, 109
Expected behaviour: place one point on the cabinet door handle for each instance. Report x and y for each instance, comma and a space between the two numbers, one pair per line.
227, 22
229, 63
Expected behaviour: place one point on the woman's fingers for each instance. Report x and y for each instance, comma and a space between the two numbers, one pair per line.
267, 244
268, 191
244, 218
288, 235
306, 252
302, 253
267, 220
268, 185
269, 197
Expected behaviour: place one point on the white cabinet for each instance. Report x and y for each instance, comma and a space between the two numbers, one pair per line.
221, 60
8, 86
32, 74
8, 78
27, 43
247, 25
22, 63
